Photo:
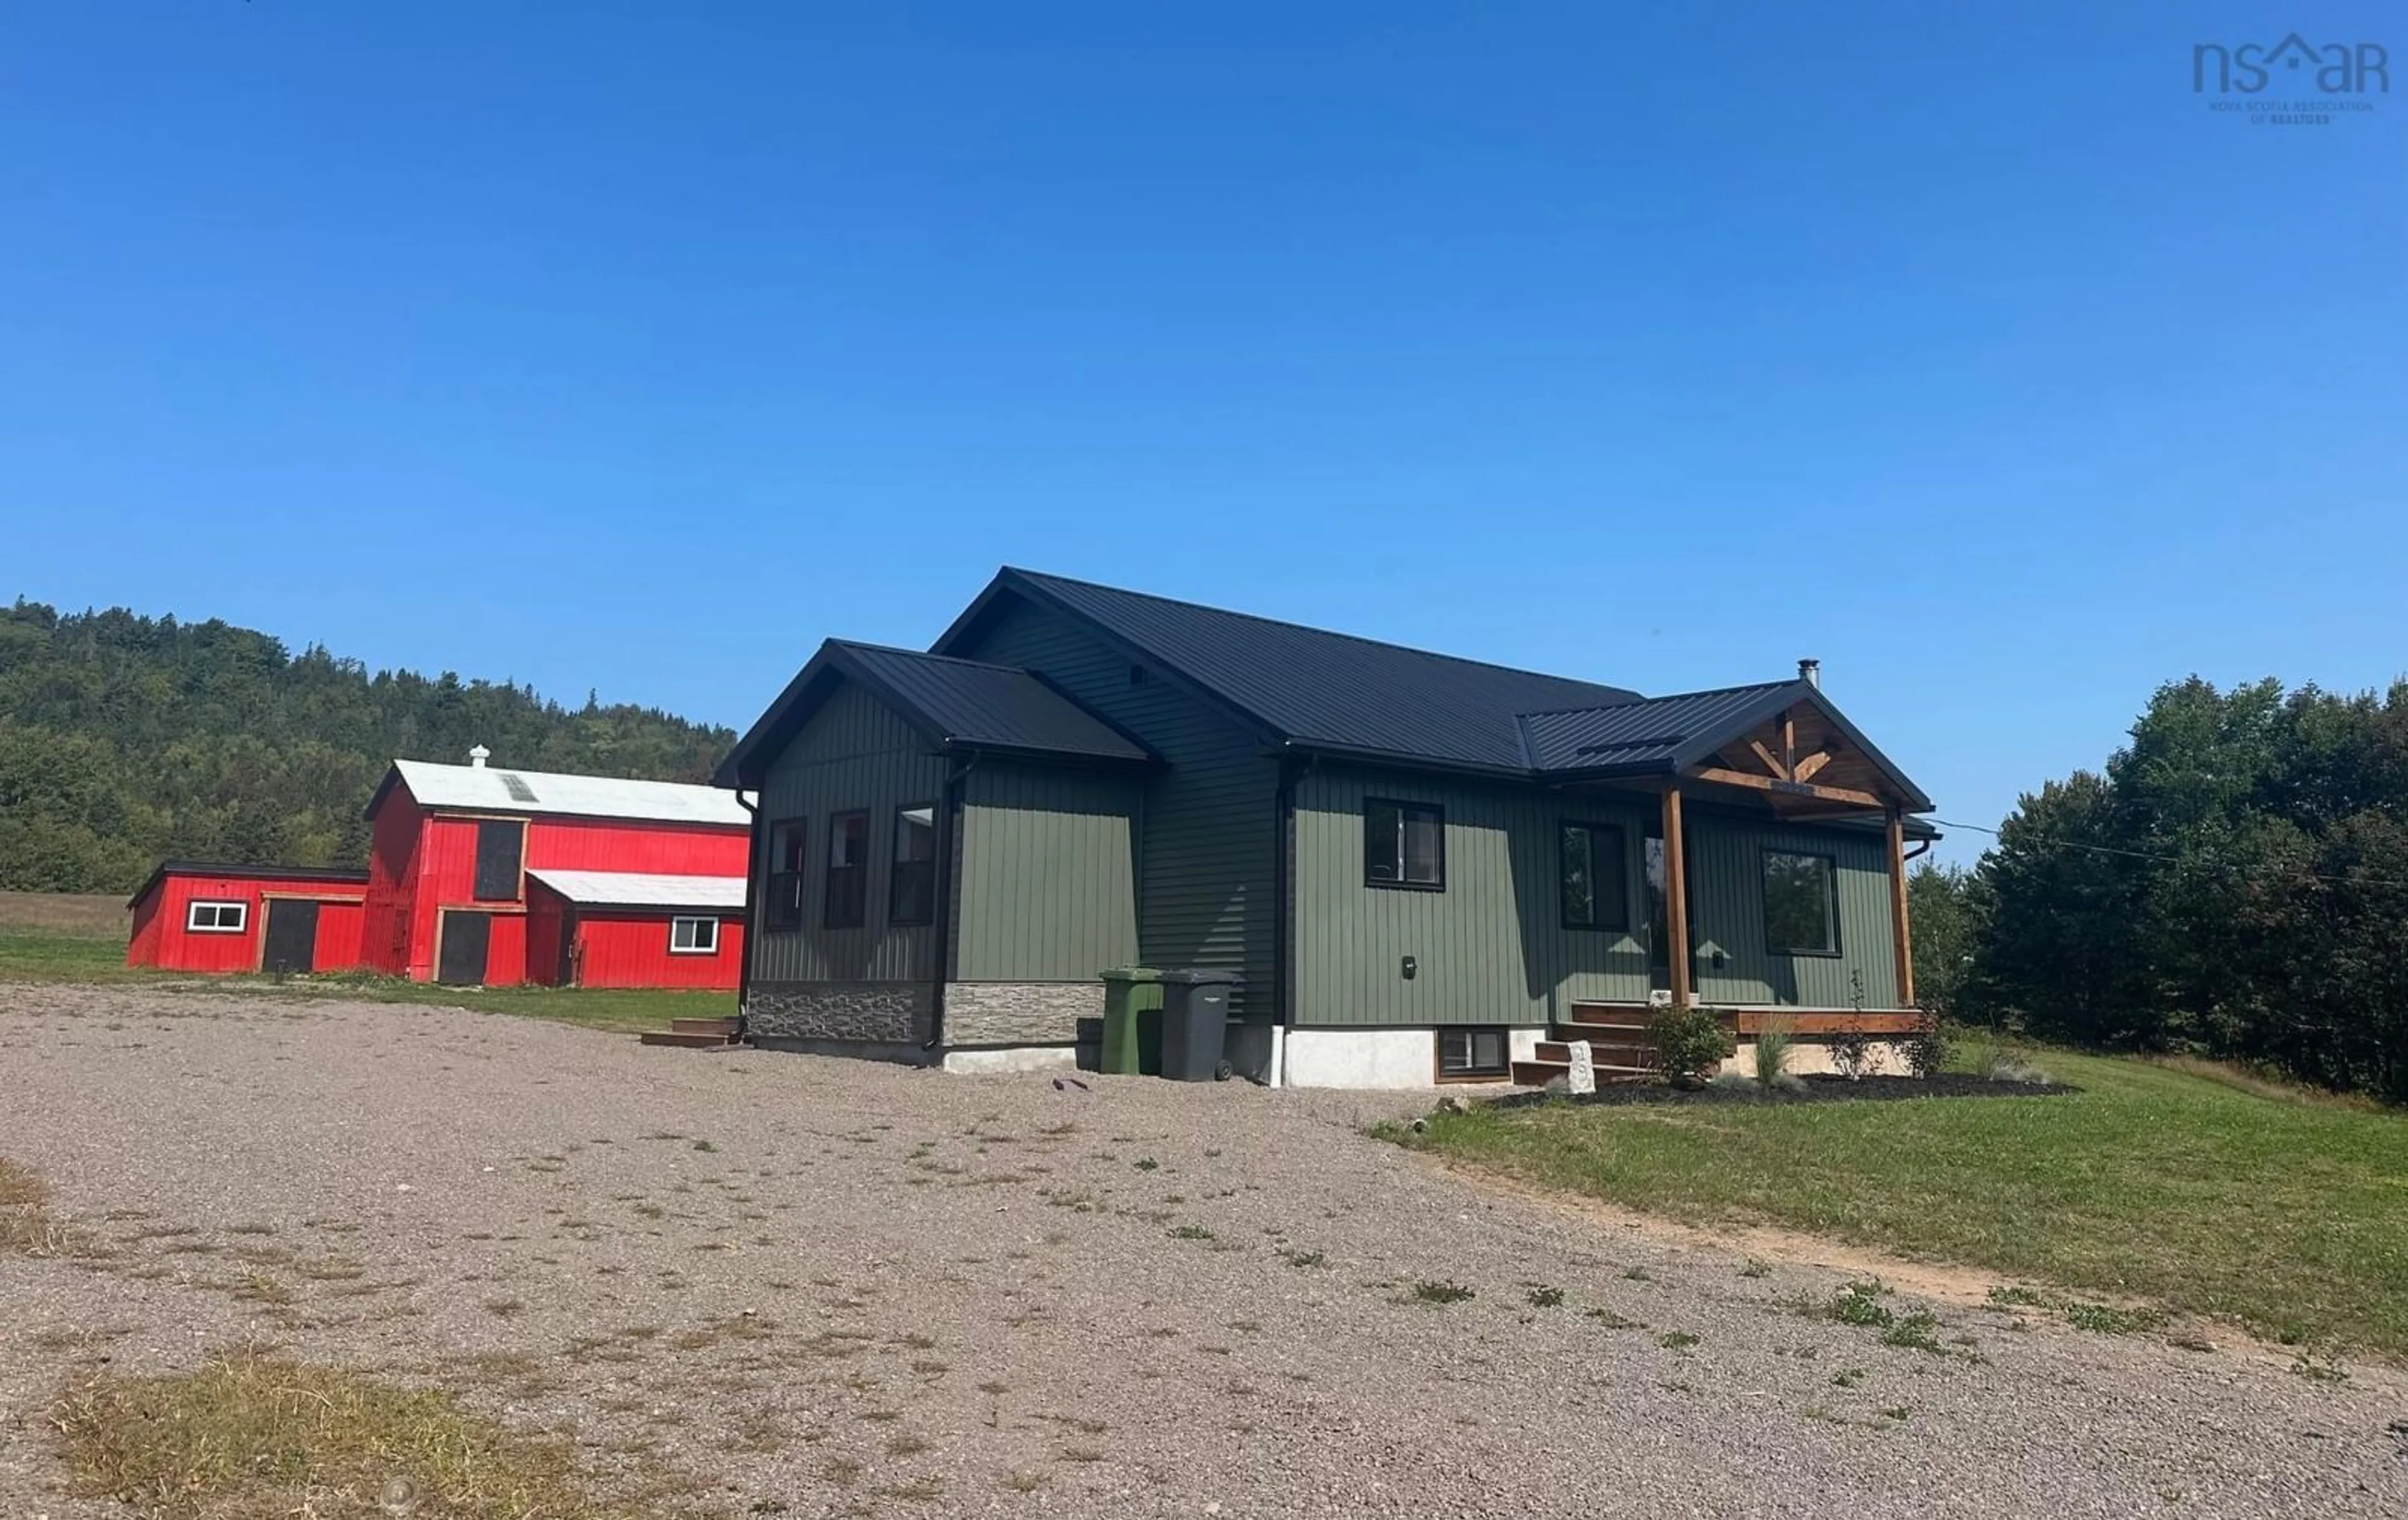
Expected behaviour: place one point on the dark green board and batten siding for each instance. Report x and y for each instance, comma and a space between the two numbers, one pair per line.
1206, 867
1048, 873
1492, 947
1726, 913
855, 754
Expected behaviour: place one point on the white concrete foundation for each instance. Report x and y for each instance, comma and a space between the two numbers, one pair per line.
1810, 1056
1379, 1058
1016, 1058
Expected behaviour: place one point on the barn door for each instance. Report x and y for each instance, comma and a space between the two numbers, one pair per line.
465, 936
291, 947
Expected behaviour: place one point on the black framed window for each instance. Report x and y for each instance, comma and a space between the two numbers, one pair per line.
1595, 876
499, 842
1404, 844
1801, 904
1471, 1051
911, 890
694, 937
783, 908
848, 871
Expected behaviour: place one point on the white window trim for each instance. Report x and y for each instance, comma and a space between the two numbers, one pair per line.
193, 915
710, 949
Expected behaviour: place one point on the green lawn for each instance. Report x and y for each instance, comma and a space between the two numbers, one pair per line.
29, 957
2287, 1216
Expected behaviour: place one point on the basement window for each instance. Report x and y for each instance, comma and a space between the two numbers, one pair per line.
783, 907
1404, 844
1470, 1052
694, 937
1801, 904
1596, 874
912, 891
216, 917
848, 871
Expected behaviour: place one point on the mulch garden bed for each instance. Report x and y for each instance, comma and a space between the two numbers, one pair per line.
1816, 1089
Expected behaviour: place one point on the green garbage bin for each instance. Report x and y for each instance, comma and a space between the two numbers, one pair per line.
1196, 1025
1132, 1001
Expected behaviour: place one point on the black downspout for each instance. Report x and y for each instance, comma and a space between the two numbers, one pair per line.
752, 927
1283, 898
948, 830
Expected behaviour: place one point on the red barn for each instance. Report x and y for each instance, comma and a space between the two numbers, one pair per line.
634, 929
191, 916
452, 847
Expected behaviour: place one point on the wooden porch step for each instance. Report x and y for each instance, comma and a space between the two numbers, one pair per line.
726, 1028
686, 1039
1629, 1020
1602, 1053
1539, 1072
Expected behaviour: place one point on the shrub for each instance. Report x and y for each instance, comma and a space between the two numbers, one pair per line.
1853, 1055
1773, 1042
1927, 1049
1690, 1042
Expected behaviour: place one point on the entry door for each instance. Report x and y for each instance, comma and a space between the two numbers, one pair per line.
466, 935
290, 948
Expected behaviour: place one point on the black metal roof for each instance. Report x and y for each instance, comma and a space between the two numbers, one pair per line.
1310, 687
991, 706
1650, 733
954, 704
331, 875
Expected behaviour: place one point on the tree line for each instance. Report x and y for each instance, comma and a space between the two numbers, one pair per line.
127, 739
2233, 883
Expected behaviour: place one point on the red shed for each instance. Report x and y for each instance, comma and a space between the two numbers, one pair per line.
193, 916
634, 929
452, 848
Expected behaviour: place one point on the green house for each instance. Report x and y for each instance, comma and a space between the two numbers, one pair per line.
1420, 868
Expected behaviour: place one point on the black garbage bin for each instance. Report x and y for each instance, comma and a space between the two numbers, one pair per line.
1195, 1024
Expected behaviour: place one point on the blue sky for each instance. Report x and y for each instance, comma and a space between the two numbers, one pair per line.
639, 347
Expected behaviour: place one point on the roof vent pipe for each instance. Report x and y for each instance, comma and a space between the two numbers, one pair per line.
477, 756
1810, 672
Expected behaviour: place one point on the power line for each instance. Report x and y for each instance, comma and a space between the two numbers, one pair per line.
2173, 860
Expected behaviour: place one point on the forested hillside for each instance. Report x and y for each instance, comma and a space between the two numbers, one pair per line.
127, 739
2234, 881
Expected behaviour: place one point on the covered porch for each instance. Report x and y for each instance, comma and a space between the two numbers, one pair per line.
1766, 767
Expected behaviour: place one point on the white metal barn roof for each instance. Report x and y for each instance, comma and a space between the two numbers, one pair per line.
643, 889
493, 789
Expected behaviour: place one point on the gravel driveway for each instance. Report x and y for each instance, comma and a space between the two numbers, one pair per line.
825, 1288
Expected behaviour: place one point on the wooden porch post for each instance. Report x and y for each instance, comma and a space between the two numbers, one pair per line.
1676, 895
1898, 925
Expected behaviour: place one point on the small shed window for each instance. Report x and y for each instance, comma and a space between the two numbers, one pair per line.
912, 891
694, 937
1596, 877
1469, 1051
1404, 844
848, 871
216, 917
1801, 907
783, 907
